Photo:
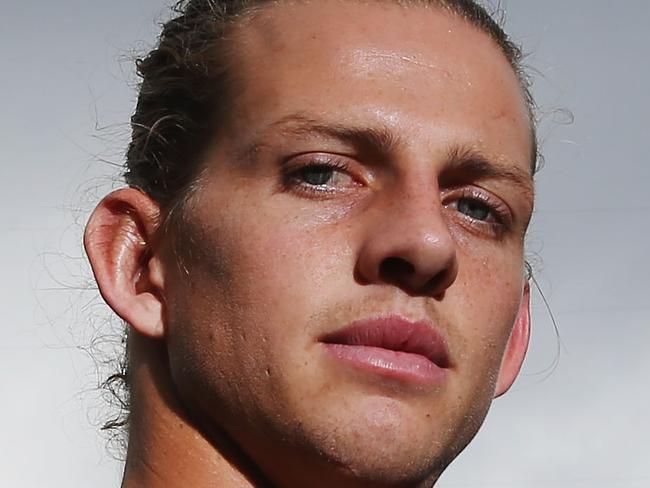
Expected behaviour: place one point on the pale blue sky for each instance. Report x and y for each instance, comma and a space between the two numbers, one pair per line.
66, 69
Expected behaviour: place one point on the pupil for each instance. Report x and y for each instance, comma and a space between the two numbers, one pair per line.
473, 209
317, 175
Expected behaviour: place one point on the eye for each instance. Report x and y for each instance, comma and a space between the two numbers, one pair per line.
479, 210
318, 174
475, 209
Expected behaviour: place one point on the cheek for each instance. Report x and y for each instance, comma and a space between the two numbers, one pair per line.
253, 283
486, 298
293, 254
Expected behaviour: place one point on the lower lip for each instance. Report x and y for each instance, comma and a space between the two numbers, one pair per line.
402, 366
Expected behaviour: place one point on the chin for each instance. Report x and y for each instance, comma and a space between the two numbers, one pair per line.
383, 441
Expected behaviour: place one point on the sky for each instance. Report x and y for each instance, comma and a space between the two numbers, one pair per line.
578, 415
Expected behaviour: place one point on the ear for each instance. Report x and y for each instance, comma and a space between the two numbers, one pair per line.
517, 346
119, 243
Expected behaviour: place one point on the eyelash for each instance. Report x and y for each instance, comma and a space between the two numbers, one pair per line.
498, 211
291, 174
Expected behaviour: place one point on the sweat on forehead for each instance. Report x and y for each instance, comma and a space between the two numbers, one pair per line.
336, 78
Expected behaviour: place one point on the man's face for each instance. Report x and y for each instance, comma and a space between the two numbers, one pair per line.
368, 175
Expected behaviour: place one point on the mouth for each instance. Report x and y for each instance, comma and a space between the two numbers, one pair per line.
392, 347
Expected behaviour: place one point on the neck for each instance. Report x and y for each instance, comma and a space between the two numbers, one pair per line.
165, 448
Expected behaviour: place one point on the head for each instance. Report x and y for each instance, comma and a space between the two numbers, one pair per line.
298, 168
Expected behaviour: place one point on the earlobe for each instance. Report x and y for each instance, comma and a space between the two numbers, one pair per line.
517, 346
119, 243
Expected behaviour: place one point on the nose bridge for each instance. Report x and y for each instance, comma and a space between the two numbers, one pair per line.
409, 244
417, 199
418, 222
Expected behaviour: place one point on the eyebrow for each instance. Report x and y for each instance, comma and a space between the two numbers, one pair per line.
470, 163
379, 142
382, 144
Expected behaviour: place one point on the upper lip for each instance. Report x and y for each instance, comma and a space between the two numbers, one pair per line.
394, 333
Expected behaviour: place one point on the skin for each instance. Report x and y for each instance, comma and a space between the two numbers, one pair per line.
423, 215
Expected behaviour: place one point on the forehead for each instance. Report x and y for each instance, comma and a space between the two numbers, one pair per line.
413, 69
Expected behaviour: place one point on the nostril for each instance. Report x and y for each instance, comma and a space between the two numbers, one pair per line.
437, 285
401, 272
394, 270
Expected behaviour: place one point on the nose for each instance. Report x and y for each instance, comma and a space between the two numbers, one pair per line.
408, 244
